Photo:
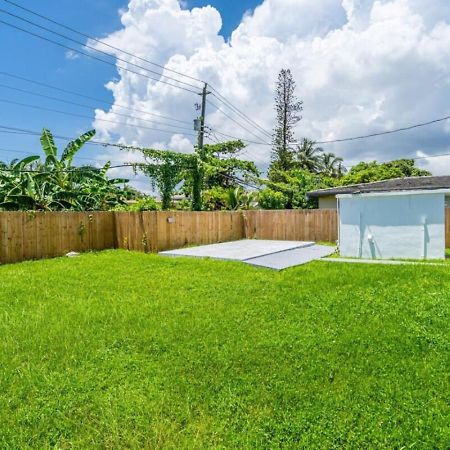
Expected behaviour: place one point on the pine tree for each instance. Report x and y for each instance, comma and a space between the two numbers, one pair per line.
288, 109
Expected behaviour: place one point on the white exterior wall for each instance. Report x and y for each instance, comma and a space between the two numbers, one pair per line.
410, 226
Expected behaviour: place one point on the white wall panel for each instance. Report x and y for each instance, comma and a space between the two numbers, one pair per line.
392, 226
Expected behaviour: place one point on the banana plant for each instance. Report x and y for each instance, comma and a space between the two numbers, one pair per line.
54, 183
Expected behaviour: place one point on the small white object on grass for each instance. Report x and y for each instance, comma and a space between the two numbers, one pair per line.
72, 254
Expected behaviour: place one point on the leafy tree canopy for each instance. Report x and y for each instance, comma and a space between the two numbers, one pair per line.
165, 169
214, 166
373, 171
223, 167
295, 184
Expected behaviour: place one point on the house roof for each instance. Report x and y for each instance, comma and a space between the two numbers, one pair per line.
395, 184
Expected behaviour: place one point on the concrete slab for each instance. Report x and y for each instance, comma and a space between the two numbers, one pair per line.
292, 258
239, 250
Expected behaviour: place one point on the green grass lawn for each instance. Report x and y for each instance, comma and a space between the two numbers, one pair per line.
127, 350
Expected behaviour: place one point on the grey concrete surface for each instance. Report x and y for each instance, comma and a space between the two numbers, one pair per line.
238, 250
292, 258
276, 255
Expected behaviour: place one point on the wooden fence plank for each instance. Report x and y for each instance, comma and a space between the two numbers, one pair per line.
38, 235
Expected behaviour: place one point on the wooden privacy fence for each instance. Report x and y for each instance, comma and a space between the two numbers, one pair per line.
292, 225
39, 235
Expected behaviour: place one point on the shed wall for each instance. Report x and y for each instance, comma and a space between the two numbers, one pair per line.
328, 202
401, 226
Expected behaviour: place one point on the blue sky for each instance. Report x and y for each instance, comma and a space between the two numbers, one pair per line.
33, 58
353, 63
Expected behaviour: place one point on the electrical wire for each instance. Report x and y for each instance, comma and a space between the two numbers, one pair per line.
73, 30
348, 139
382, 133
78, 94
233, 120
76, 169
90, 107
237, 138
216, 93
237, 111
7, 129
366, 136
117, 66
49, 30
8, 150
66, 113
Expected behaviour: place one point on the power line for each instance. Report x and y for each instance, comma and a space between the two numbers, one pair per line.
367, 136
4, 129
7, 129
49, 30
382, 133
218, 96
78, 94
95, 57
233, 120
237, 111
75, 169
8, 150
216, 93
14, 130
42, 108
73, 30
26, 132
90, 107
406, 128
238, 138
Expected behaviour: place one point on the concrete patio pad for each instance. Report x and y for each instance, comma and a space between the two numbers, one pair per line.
264, 253
292, 258
238, 250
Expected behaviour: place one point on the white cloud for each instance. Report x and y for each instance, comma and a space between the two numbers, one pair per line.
361, 66
70, 54
437, 165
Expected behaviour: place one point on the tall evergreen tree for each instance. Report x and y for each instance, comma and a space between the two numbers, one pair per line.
288, 109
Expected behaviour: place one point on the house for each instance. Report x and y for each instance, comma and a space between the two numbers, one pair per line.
327, 197
399, 218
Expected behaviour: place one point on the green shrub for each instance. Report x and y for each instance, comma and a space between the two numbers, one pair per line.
144, 204
270, 199
183, 205
215, 199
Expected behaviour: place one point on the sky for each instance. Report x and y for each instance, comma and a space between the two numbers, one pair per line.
361, 66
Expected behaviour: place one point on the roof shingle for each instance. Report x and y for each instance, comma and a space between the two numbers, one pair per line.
395, 184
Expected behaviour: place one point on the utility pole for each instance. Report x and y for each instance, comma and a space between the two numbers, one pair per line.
198, 169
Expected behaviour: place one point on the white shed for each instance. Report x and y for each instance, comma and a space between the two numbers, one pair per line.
397, 224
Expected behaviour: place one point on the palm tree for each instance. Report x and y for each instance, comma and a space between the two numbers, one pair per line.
332, 165
308, 156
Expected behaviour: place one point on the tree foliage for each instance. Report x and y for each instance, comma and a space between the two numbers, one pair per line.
53, 183
223, 167
203, 176
308, 157
288, 109
373, 171
332, 166
165, 169
294, 185
272, 199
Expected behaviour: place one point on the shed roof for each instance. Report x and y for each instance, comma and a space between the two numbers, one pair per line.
395, 184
